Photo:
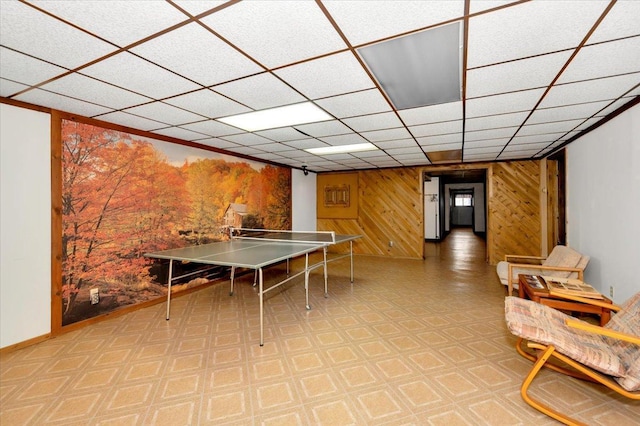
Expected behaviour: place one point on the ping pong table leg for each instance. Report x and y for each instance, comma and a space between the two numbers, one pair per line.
326, 278
233, 272
169, 287
351, 258
306, 279
261, 309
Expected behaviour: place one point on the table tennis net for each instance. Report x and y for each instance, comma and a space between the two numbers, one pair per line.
279, 235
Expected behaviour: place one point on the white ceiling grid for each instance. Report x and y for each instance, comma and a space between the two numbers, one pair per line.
535, 73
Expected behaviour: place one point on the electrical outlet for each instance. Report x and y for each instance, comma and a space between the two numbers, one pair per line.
390, 243
610, 291
94, 296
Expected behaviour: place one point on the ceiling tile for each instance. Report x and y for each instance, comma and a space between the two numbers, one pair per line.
319, 79
247, 139
62, 103
375, 155
273, 147
479, 157
141, 76
495, 150
506, 132
516, 75
269, 156
165, 113
529, 29
195, 53
212, 127
476, 6
44, 37
385, 120
10, 88
394, 152
179, 133
437, 128
567, 112
305, 143
324, 128
536, 139
621, 21
355, 104
282, 134
529, 148
218, 143
130, 120
400, 143
207, 103
196, 7
612, 106
589, 91
440, 139
77, 85
260, 92
244, 150
432, 114
503, 104
351, 138
495, 121
399, 17
491, 143
275, 35
553, 127
25, 69
120, 22
387, 134
603, 60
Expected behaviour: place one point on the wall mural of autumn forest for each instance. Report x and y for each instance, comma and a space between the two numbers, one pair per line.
125, 195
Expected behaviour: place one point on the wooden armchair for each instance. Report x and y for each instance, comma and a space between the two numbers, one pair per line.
608, 355
562, 262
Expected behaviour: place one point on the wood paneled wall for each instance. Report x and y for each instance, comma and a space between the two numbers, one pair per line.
391, 210
514, 225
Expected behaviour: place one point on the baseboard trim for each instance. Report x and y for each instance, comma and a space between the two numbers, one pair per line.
24, 344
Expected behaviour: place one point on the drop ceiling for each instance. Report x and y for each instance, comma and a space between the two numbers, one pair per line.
534, 74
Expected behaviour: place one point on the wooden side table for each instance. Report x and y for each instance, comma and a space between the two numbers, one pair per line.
542, 296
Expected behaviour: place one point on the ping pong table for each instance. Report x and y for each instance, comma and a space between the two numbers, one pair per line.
258, 249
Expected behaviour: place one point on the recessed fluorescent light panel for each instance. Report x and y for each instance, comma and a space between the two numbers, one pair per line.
341, 149
289, 115
419, 69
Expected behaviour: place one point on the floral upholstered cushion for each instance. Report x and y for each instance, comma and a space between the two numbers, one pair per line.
562, 256
545, 325
628, 321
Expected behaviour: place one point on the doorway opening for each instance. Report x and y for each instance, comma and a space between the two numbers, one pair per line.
453, 199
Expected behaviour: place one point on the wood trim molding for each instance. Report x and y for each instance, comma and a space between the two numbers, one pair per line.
56, 223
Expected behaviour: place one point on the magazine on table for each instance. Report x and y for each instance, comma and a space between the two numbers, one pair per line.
535, 281
572, 286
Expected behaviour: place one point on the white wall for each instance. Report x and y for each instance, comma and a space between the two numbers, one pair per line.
303, 195
25, 225
603, 203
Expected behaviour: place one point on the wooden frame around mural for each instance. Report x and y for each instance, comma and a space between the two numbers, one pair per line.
154, 180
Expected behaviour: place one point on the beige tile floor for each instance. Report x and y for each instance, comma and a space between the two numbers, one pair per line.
410, 342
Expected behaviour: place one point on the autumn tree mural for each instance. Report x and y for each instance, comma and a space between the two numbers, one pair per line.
122, 197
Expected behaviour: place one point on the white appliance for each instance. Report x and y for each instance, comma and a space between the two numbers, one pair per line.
431, 209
